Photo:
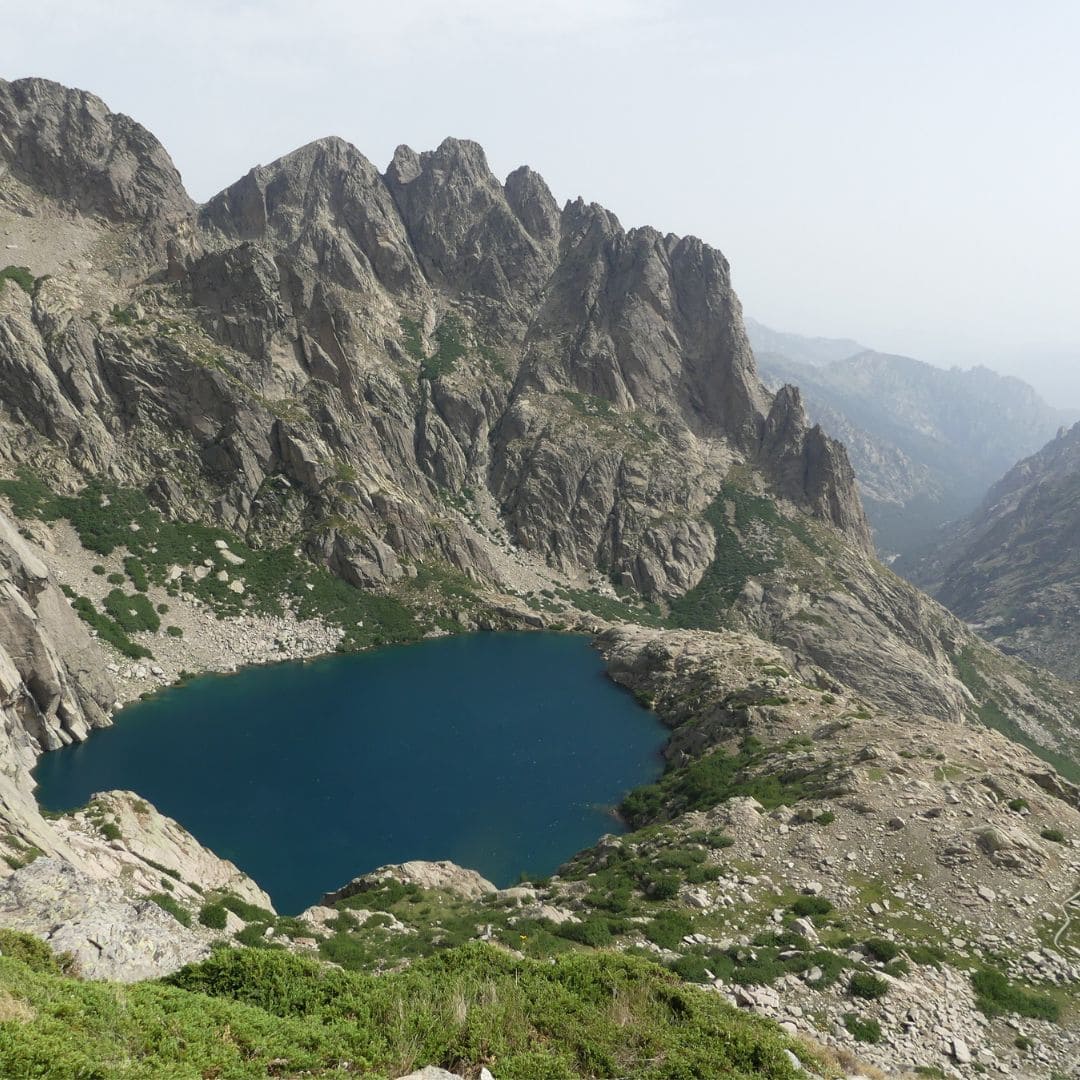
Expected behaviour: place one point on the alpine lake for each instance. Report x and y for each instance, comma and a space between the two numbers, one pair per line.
503, 752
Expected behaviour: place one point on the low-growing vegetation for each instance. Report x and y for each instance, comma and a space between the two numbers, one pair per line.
996, 996
173, 907
865, 1029
472, 1006
718, 776
110, 519
21, 276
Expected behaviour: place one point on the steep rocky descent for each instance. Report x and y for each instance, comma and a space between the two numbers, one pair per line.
1012, 568
82, 880
926, 443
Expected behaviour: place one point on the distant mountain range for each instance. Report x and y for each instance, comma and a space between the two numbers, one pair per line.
926, 442
1012, 568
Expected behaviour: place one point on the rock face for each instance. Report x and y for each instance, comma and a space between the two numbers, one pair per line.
54, 687
109, 935
431, 329
69, 146
1012, 568
925, 443
151, 844
442, 876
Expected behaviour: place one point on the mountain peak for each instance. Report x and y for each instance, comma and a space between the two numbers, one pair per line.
68, 144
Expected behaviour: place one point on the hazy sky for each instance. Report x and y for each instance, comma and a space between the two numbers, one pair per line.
904, 174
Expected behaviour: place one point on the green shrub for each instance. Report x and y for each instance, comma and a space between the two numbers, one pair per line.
865, 1029
1018, 805
882, 949
254, 937
995, 996
1056, 836
865, 985
826, 817
108, 629
99, 570
668, 928
29, 950
248, 1013
244, 910
692, 968
594, 931
110, 830
174, 631
213, 915
116, 579
173, 907
809, 906
135, 570
133, 614
21, 276
449, 349
663, 887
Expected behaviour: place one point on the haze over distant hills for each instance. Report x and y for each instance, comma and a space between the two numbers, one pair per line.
1013, 567
926, 442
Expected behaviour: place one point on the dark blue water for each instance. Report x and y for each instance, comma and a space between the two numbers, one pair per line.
501, 752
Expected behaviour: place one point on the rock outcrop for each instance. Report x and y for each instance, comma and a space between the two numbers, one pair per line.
441, 876
432, 329
108, 934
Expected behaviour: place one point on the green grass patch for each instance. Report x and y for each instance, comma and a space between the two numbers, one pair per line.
864, 1029
21, 276
173, 907
996, 996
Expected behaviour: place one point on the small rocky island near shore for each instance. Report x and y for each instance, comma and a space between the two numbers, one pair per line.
337, 408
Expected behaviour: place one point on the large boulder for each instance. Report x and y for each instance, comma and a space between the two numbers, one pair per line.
442, 876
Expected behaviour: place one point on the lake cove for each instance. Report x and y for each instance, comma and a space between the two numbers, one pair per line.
502, 752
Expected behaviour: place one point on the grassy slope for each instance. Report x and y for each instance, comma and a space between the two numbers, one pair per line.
254, 1013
